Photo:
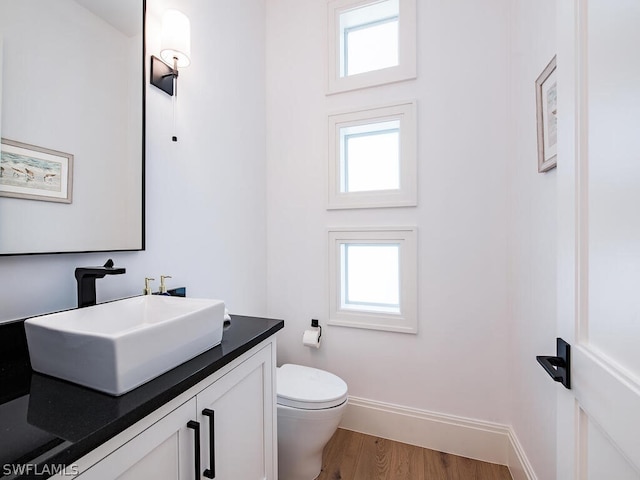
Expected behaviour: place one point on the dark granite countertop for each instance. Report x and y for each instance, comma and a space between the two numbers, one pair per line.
46, 423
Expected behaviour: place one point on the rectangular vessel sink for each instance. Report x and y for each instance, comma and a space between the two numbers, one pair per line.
117, 346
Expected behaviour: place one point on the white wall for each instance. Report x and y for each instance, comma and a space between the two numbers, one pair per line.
532, 241
205, 199
457, 361
486, 218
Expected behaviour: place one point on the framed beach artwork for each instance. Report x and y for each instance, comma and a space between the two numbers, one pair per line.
547, 116
35, 173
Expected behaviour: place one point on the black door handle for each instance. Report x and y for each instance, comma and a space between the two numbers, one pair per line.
211, 471
558, 367
196, 453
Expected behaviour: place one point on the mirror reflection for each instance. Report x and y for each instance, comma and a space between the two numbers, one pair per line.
72, 125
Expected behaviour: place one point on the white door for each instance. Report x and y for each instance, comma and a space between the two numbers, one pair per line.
599, 231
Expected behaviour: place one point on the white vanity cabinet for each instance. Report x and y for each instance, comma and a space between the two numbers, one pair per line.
236, 413
235, 407
165, 450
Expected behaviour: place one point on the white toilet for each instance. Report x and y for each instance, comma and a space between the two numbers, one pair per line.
310, 405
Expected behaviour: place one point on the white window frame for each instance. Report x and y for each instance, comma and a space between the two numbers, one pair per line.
406, 195
406, 321
406, 68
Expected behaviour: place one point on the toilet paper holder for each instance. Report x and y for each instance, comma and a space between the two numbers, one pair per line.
316, 324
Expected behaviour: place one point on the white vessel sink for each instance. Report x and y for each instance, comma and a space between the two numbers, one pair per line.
117, 346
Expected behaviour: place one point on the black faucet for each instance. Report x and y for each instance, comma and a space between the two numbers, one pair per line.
86, 277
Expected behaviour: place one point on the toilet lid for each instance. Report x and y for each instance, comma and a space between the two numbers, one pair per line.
309, 388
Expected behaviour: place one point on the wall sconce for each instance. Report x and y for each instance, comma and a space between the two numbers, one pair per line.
175, 51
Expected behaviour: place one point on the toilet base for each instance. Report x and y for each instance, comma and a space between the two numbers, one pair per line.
302, 436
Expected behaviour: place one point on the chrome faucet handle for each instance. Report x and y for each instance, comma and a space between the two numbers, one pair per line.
163, 287
147, 286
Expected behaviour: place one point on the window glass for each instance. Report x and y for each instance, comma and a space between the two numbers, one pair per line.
369, 38
371, 277
370, 157
371, 47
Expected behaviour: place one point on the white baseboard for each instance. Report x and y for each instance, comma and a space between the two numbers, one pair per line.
519, 465
486, 441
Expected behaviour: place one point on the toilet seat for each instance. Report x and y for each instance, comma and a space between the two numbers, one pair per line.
309, 388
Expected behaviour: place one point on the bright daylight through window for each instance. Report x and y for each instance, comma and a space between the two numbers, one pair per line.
370, 277
369, 38
370, 157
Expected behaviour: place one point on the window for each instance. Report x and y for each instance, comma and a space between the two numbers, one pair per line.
373, 276
372, 158
369, 277
370, 43
369, 37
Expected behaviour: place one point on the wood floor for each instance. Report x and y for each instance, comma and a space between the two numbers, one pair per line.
355, 456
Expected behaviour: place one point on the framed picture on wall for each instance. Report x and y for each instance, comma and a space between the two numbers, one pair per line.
35, 173
547, 116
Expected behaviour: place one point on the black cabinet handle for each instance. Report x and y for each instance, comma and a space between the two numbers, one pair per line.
196, 454
211, 472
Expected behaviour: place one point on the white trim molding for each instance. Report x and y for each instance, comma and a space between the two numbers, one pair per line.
406, 68
404, 114
471, 438
518, 462
405, 319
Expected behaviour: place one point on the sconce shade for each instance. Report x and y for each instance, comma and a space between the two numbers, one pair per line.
176, 38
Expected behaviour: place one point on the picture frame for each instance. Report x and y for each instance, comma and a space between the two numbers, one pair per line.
35, 173
547, 117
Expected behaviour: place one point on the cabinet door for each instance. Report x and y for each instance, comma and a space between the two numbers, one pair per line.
164, 451
240, 408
